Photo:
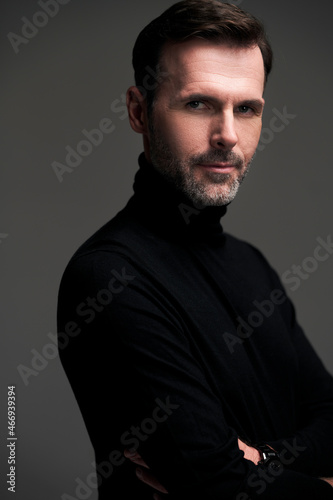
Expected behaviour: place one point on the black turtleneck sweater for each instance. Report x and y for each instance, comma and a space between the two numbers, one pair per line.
179, 338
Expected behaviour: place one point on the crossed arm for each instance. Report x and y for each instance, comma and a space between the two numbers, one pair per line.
198, 446
145, 475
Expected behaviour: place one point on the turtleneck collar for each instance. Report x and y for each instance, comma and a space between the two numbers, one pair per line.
166, 208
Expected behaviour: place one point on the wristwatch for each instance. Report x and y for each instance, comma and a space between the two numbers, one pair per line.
269, 457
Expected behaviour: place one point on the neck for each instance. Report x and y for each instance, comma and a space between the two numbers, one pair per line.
168, 209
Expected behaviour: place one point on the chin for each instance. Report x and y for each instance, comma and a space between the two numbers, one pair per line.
218, 197
211, 201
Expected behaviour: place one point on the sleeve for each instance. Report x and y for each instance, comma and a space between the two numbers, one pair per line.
177, 420
310, 448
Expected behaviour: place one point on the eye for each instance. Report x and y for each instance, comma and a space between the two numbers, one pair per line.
195, 105
245, 109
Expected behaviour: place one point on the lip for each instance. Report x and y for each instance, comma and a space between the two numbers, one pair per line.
224, 168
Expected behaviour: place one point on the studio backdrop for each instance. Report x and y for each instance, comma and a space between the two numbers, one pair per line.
66, 66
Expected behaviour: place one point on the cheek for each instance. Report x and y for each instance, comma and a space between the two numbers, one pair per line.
182, 134
249, 138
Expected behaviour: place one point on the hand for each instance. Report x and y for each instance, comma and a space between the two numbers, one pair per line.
250, 453
143, 473
328, 480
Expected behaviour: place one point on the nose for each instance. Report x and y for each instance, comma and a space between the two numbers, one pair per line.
224, 134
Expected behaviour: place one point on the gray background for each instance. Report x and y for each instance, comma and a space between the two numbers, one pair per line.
65, 80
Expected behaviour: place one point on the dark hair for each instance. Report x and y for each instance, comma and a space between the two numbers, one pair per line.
207, 19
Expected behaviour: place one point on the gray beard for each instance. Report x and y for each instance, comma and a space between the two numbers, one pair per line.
181, 175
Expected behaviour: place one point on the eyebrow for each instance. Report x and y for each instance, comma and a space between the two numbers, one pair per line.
257, 103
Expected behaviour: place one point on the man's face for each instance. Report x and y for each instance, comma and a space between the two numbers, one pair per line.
207, 117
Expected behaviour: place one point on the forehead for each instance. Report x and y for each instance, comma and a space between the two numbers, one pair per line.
202, 65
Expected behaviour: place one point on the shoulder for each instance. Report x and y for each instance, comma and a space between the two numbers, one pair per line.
119, 241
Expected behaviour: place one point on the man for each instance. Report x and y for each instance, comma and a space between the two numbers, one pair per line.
161, 356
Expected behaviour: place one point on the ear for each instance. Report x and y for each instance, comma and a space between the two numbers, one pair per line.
137, 110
